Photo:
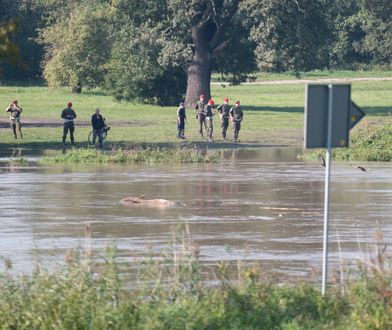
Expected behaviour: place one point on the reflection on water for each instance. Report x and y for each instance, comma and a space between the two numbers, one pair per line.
262, 205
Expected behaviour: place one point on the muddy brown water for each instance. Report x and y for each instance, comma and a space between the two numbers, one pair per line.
261, 205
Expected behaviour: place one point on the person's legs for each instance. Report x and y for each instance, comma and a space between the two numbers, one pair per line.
225, 125
201, 121
71, 132
210, 129
13, 127
19, 127
65, 132
100, 140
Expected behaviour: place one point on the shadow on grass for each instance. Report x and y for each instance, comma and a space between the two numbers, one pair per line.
274, 109
23, 83
380, 111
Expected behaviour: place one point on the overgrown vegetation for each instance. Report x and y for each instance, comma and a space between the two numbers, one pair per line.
367, 143
176, 293
150, 155
370, 143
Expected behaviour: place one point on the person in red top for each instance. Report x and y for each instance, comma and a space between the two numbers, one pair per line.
15, 112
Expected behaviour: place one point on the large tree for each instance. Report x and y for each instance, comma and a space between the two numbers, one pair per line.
210, 23
150, 46
293, 35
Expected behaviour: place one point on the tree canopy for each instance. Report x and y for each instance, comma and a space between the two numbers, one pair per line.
162, 51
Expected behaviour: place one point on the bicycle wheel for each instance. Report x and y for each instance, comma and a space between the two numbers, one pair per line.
104, 135
90, 138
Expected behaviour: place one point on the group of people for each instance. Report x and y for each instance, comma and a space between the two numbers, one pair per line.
68, 115
204, 117
97, 123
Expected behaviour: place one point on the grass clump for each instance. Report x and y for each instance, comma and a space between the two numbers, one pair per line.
174, 291
370, 143
149, 155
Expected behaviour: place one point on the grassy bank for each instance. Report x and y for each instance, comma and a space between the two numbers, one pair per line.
370, 142
149, 154
176, 293
273, 114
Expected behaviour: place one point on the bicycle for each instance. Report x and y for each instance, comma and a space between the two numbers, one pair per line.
105, 130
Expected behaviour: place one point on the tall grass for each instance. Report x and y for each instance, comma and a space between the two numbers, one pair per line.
176, 293
150, 155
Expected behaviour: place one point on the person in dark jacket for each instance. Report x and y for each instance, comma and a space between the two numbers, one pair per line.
181, 117
236, 116
224, 114
68, 115
15, 111
98, 123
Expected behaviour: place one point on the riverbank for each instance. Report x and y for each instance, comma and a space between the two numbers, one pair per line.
175, 294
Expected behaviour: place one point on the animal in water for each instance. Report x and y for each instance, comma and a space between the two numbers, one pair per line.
322, 160
359, 167
141, 201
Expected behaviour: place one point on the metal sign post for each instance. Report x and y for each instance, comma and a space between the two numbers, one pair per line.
329, 116
326, 191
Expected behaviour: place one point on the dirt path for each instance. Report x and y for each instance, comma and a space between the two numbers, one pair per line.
39, 122
307, 81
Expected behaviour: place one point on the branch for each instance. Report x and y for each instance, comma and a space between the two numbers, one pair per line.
225, 21
218, 48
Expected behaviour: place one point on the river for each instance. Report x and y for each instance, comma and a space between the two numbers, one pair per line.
260, 205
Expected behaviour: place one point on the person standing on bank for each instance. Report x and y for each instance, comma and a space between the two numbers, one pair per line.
181, 117
200, 114
15, 111
68, 115
98, 123
224, 113
208, 110
236, 116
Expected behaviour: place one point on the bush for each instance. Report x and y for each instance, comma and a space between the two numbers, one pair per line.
369, 144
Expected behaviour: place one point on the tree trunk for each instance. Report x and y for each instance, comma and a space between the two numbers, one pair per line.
199, 72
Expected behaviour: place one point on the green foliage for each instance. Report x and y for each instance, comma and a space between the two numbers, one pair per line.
293, 35
8, 49
139, 69
77, 45
369, 143
149, 155
176, 293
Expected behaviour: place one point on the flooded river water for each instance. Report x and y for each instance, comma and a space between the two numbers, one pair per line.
260, 205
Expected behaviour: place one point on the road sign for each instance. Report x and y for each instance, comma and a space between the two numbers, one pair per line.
329, 116
356, 114
345, 115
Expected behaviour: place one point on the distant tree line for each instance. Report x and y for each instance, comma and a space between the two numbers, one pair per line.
160, 51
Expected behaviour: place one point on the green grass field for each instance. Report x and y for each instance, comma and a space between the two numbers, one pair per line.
273, 114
